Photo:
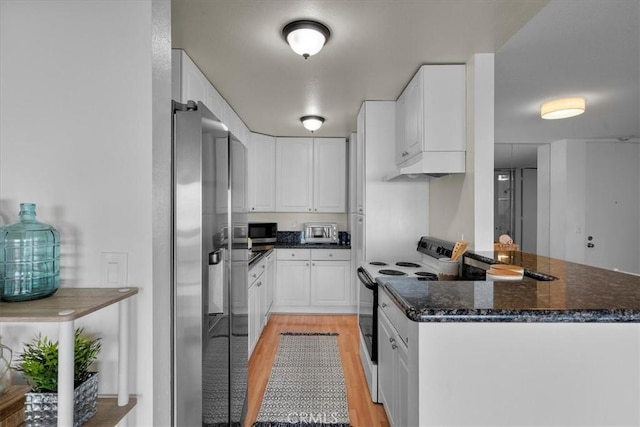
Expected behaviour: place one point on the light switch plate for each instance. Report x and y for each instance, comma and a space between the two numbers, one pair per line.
114, 268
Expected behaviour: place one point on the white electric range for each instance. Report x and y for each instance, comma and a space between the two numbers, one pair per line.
431, 250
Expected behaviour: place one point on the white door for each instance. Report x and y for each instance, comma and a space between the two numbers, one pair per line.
612, 206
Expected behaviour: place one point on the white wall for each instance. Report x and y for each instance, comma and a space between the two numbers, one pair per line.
76, 138
462, 205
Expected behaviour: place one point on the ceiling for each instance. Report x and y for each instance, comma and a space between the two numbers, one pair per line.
543, 50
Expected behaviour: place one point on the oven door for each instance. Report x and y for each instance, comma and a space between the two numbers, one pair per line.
368, 313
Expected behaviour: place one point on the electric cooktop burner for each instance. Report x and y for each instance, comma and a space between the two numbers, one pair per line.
427, 275
378, 263
388, 272
407, 264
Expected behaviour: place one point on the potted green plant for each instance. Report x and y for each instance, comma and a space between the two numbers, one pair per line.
38, 363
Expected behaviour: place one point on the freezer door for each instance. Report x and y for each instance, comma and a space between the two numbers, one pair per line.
196, 234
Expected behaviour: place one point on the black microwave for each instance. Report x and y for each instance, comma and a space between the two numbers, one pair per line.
263, 232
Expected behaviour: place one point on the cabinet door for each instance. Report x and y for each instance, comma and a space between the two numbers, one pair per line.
353, 203
194, 83
413, 111
294, 174
329, 175
400, 139
215, 102
401, 378
292, 285
270, 281
239, 181
253, 320
330, 283
385, 364
262, 173
262, 305
360, 163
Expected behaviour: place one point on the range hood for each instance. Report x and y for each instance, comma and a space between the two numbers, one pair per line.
429, 164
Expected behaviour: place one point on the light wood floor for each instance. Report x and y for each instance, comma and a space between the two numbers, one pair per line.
362, 411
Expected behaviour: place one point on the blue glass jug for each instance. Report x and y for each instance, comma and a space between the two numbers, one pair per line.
29, 258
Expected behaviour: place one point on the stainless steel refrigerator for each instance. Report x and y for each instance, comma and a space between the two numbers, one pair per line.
209, 269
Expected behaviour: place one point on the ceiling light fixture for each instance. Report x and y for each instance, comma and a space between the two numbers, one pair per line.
312, 123
306, 37
563, 108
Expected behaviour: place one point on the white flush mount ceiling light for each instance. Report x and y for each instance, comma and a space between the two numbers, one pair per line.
563, 108
306, 37
312, 123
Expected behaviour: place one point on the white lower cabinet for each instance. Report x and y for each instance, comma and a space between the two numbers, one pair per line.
271, 283
393, 371
313, 280
292, 283
257, 301
330, 284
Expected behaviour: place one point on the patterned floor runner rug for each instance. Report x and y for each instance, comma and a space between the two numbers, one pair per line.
306, 386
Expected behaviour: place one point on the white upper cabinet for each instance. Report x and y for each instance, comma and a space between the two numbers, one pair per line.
431, 115
189, 84
329, 175
262, 173
360, 163
294, 174
311, 175
187, 81
353, 156
215, 102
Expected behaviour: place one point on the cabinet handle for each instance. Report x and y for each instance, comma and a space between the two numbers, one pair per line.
259, 284
254, 275
330, 255
392, 340
293, 254
307, 264
253, 209
384, 304
393, 346
360, 220
313, 263
309, 209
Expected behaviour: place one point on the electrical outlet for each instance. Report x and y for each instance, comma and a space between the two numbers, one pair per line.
114, 268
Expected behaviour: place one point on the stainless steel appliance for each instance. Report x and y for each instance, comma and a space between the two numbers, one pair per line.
427, 269
209, 283
321, 232
262, 233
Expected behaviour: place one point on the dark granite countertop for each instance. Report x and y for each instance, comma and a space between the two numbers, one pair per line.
310, 246
580, 294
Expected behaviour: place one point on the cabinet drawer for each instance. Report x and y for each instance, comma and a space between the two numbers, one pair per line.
256, 271
331, 254
293, 254
398, 319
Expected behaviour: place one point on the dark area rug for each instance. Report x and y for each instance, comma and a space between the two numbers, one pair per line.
306, 386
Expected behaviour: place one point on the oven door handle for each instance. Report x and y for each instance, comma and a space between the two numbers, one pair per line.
365, 279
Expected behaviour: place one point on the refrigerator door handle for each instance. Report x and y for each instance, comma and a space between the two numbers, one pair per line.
214, 257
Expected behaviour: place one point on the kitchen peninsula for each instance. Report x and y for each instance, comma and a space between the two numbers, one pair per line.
531, 352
